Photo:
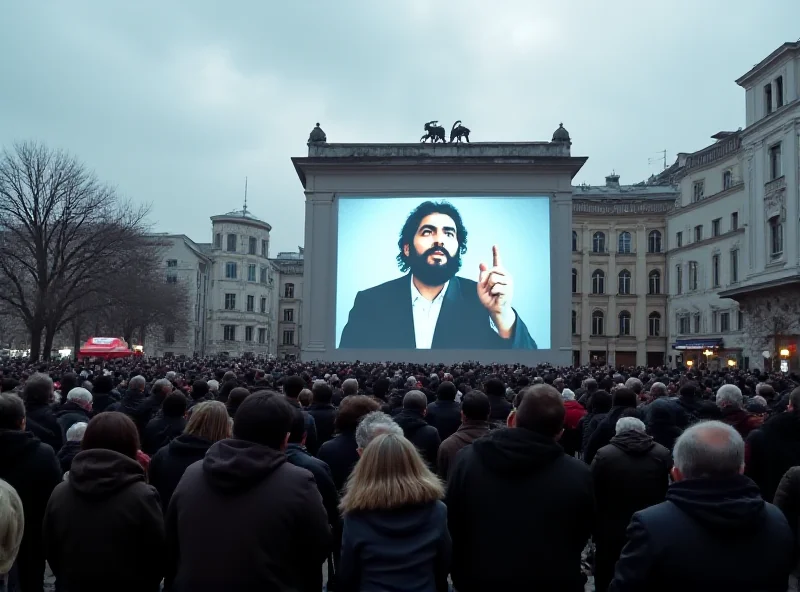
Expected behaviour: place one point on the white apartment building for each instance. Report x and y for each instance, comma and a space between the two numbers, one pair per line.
289, 268
705, 255
769, 289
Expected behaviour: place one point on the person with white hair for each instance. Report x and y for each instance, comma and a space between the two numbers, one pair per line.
574, 412
731, 403
374, 424
714, 530
72, 446
77, 409
213, 388
12, 525
629, 474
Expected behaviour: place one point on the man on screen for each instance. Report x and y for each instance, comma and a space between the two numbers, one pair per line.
431, 307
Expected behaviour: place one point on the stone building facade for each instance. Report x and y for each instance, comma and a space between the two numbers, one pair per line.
289, 269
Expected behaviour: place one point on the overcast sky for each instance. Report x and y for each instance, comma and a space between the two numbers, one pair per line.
176, 102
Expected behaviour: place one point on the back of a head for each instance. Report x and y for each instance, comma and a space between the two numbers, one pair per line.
688, 390
494, 387
709, 450
659, 389
635, 385
137, 383
174, 404
229, 376
103, 384
161, 387
351, 410
236, 396
630, 424
475, 406
321, 393
350, 387
69, 380
297, 430
39, 389
591, 385
76, 431
381, 387
600, 401
12, 526
210, 421
12, 411
567, 395
199, 389
292, 386
415, 401
263, 418
729, 395
624, 397
447, 391
80, 395
372, 425
541, 410
112, 430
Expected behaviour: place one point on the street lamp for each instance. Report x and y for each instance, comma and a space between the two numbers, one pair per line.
731, 363
784, 353
784, 360
690, 363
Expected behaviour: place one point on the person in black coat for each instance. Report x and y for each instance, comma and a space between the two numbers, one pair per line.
445, 414
624, 400
103, 394
551, 492
662, 423
500, 407
714, 531
291, 389
38, 396
30, 467
161, 430
323, 412
200, 393
629, 474
416, 429
72, 446
599, 404
235, 398
76, 409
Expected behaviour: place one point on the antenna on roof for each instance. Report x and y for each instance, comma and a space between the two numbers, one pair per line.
244, 209
663, 158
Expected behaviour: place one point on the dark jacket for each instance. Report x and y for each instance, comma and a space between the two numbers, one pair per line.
298, 455
247, 509
324, 418
662, 422
773, 449
420, 434
742, 421
170, 462
67, 454
606, 428
311, 427
707, 535
31, 468
630, 474
160, 431
513, 484
105, 511
70, 414
467, 433
382, 318
400, 550
102, 401
445, 416
340, 453
591, 421
499, 410
787, 499
43, 416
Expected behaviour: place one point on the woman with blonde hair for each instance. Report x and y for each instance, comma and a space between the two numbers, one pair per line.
12, 525
208, 423
395, 525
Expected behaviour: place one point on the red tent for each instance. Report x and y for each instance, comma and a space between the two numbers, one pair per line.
105, 347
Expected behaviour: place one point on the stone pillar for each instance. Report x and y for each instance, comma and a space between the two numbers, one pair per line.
586, 289
612, 287
640, 328
317, 269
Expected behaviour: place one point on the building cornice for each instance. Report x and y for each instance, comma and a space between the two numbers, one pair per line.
706, 241
710, 199
768, 62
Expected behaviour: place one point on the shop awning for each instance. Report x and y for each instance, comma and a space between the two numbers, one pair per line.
682, 344
105, 347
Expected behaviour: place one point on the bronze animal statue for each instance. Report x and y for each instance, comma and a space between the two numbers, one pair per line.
433, 132
459, 131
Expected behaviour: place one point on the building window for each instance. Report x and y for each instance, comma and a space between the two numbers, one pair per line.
172, 263
288, 338
172, 278
683, 324
654, 242
624, 242
230, 270
698, 233
263, 307
724, 322
251, 303
734, 266
678, 239
715, 271
714, 318
252, 245
251, 272
574, 322
624, 323
574, 241
678, 279
598, 282
262, 335
775, 237
655, 282
288, 291
288, 315
597, 323
218, 241
599, 243
727, 180
169, 335
264, 248
779, 92
232, 243
693, 275
698, 190
248, 334
735, 221
715, 226
696, 320
768, 99
740, 320
574, 281
230, 301
229, 332
655, 324
775, 165
624, 282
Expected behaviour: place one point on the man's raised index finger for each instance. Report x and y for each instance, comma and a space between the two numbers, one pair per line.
496, 256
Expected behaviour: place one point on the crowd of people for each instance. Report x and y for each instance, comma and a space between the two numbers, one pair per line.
212, 474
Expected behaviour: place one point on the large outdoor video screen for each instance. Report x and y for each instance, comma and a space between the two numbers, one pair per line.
434, 273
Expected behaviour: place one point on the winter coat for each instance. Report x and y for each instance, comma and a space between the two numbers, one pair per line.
571, 438
787, 500
709, 534
589, 427
43, 416
324, 419
340, 453
420, 434
445, 416
30, 467
102, 401
772, 450
70, 414
298, 455
629, 474
245, 519
404, 549
312, 442
67, 454
742, 421
499, 410
160, 431
105, 511
662, 423
504, 492
171, 461
467, 433
603, 433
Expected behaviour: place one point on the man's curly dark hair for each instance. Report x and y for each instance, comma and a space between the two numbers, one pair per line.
412, 224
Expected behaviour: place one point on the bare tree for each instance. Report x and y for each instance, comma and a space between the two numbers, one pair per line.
62, 232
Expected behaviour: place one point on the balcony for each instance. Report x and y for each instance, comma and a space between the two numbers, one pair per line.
774, 186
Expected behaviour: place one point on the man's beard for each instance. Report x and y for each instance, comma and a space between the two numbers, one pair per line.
436, 274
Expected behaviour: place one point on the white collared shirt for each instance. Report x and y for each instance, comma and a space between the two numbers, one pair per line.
426, 315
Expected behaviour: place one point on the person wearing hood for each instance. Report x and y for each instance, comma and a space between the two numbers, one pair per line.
445, 414
516, 485
162, 429
209, 423
395, 533
661, 422
475, 410
72, 446
76, 409
629, 474
622, 400
713, 532
42, 421
106, 511
30, 467
412, 419
244, 518
574, 412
